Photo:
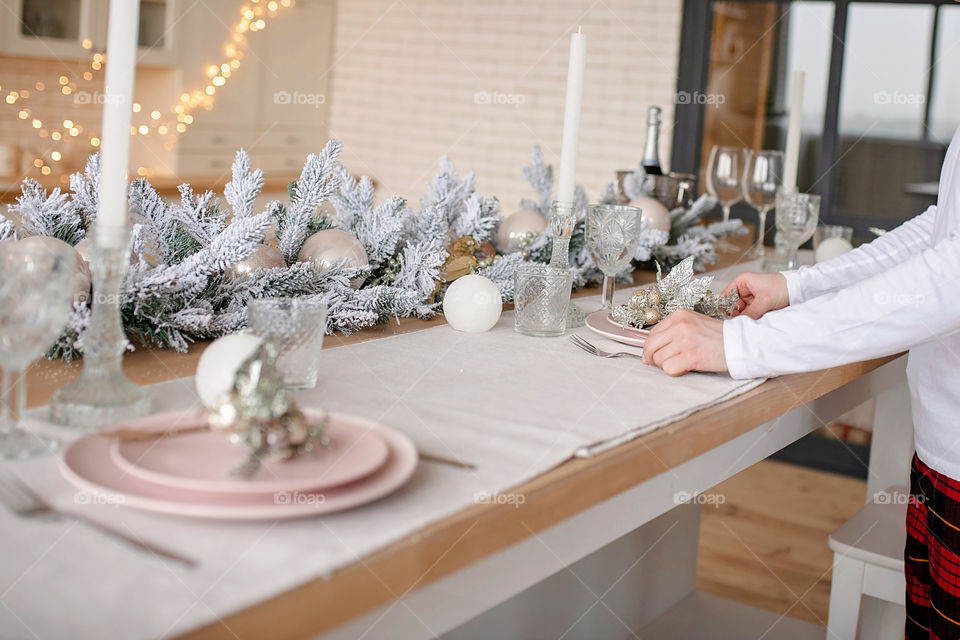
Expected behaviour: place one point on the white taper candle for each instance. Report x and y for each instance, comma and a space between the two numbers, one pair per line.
792, 154
566, 182
117, 111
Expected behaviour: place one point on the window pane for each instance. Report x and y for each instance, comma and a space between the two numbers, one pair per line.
885, 70
883, 152
945, 105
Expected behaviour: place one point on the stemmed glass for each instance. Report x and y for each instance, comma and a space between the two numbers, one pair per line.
762, 178
613, 235
35, 298
723, 180
797, 216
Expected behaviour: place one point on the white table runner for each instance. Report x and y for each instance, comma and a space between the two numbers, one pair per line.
512, 405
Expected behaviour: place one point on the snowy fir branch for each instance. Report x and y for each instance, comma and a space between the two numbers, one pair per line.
180, 286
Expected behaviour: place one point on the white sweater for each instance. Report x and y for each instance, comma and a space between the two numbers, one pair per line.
901, 291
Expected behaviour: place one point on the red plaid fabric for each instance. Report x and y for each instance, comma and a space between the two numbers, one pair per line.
932, 555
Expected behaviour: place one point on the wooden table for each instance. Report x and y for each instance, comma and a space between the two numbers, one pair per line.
586, 515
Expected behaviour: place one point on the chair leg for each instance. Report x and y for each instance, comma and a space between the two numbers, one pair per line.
846, 590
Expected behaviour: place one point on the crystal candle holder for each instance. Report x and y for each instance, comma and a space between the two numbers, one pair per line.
563, 219
102, 394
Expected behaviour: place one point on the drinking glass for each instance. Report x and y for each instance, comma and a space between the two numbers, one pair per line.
541, 297
797, 216
297, 327
612, 233
723, 179
35, 300
762, 178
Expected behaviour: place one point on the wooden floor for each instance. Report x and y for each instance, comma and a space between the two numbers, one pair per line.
766, 545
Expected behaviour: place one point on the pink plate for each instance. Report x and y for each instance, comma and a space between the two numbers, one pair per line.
202, 461
600, 322
88, 465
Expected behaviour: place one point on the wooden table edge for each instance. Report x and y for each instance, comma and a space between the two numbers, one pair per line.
439, 549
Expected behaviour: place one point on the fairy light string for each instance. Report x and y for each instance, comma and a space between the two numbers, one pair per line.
172, 121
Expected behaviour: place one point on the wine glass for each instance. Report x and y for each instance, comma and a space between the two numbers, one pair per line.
762, 178
35, 299
613, 235
723, 179
797, 216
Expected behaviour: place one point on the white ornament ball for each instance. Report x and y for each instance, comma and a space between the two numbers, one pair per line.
518, 225
831, 248
472, 304
264, 257
217, 368
82, 279
330, 247
657, 215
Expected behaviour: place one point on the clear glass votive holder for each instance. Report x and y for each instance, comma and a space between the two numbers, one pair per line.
297, 328
825, 231
542, 298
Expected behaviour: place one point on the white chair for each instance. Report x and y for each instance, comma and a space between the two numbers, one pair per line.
868, 560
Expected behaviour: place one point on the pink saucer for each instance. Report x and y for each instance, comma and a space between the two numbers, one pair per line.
88, 465
601, 323
202, 461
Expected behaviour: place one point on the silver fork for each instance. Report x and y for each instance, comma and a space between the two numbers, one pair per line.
589, 348
22, 501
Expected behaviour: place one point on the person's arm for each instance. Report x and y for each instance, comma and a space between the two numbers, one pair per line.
884, 252
907, 304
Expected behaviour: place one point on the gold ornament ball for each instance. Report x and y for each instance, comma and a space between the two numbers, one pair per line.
330, 247
517, 226
657, 215
82, 279
654, 298
651, 316
264, 257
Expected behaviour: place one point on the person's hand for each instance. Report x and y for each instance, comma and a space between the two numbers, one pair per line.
759, 293
686, 341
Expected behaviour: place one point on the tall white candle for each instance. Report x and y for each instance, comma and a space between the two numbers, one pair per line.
117, 111
792, 154
571, 117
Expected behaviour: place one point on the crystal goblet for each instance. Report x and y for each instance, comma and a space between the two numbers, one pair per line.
35, 299
797, 216
612, 234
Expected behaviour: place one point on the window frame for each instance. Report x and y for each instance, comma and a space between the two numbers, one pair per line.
696, 32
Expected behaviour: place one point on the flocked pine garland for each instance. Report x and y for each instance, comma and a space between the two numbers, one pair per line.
176, 290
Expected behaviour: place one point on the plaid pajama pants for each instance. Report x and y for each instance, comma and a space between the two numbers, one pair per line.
932, 555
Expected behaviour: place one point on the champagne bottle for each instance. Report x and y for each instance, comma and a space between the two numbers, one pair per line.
651, 154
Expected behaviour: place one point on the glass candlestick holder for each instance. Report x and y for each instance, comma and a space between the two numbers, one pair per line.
102, 394
563, 219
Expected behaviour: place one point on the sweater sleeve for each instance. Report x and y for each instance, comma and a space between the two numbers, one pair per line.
908, 304
884, 252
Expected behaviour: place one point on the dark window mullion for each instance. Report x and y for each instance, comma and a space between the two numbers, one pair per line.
829, 140
928, 105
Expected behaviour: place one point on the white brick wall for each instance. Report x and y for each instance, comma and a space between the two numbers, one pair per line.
407, 72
